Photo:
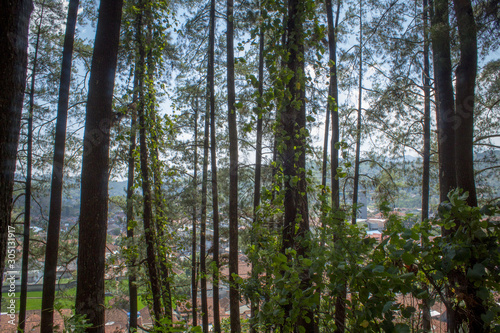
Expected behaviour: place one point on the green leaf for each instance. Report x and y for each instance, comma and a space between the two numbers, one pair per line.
408, 258
280, 258
476, 273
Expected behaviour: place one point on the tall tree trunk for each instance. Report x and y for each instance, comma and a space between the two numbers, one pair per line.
427, 119
358, 123
426, 311
147, 217
14, 26
333, 95
258, 159
27, 195
464, 136
203, 222
213, 154
234, 295
160, 219
132, 278
132, 286
464, 101
52, 247
95, 168
194, 279
440, 36
293, 123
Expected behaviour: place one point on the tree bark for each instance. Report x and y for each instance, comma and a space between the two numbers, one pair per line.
159, 217
258, 159
464, 137
426, 311
27, 195
149, 230
446, 122
52, 248
464, 101
203, 224
234, 295
14, 25
213, 154
334, 93
95, 168
444, 97
358, 123
132, 278
194, 280
293, 123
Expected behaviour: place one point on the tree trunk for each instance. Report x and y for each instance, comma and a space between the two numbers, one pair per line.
444, 97
27, 195
14, 25
160, 219
464, 136
194, 280
213, 154
203, 224
334, 93
258, 159
293, 123
234, 295
132, 278
426, 314
52, 247
95, 168
147, 217
340, 313
440, 37
464, 101
358, 123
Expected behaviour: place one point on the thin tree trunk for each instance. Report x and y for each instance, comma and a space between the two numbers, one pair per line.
203, 224
213, 154
132, 278
426, 311
258, 160
165, 274
340, 313
358, 123
14, 27
52, 247
194, 280
27, 196
95, 168
234, 295
334, 93
427, 120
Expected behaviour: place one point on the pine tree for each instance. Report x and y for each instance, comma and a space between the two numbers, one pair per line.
14, 25
95, 168
52, 249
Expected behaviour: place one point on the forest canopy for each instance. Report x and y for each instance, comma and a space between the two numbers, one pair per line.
250, 166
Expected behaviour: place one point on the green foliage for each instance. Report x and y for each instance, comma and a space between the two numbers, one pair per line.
76, 324
406, 263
